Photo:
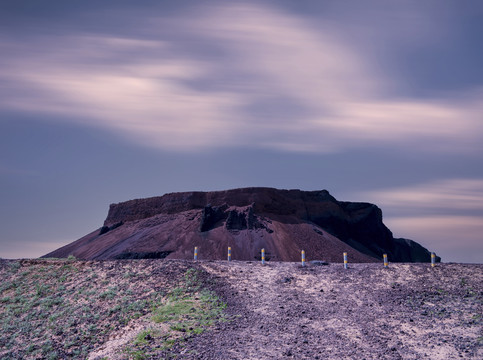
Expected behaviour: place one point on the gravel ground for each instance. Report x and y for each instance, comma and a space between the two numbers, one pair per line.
75, 309
405, 311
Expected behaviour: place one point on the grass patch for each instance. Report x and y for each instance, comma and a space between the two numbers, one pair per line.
51, 309
188, 310
174, 310
65, 308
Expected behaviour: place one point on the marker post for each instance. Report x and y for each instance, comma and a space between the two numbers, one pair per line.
303, 257
229, 253
385, 260
263, 256
196, 252
345, 260
433, 259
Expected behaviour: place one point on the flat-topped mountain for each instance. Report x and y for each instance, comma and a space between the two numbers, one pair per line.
284, 222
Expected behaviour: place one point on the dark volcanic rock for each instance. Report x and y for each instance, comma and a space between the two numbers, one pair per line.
237, 220
105, 228
281, 221
211, 216
409, 249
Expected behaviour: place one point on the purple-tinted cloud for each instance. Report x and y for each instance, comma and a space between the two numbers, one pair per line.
346, 95
455, 194
159, 94
451, 236
446, 213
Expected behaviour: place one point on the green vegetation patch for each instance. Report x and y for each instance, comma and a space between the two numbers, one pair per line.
53, 309
188, 310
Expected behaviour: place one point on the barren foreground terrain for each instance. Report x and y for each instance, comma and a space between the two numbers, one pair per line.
142, 309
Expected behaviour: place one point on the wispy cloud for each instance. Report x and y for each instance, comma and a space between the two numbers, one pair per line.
454, 238
442, 215
144, 101
276, 81
451, 194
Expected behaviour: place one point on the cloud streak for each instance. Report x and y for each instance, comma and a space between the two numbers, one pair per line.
443, 215
276, 82
452, 194
452, 237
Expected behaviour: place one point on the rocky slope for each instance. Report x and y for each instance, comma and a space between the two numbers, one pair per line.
282, 221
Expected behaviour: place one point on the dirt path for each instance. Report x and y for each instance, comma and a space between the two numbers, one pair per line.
407, 311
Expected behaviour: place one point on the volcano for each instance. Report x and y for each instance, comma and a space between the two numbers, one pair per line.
283, 222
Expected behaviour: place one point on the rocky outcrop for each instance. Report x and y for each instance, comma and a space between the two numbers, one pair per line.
410, 249
211, 216
232, 218
264, 201
282, 221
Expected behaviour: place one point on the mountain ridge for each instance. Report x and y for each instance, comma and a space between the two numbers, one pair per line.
247, 219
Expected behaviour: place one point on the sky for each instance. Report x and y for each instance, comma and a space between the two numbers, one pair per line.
107, 101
